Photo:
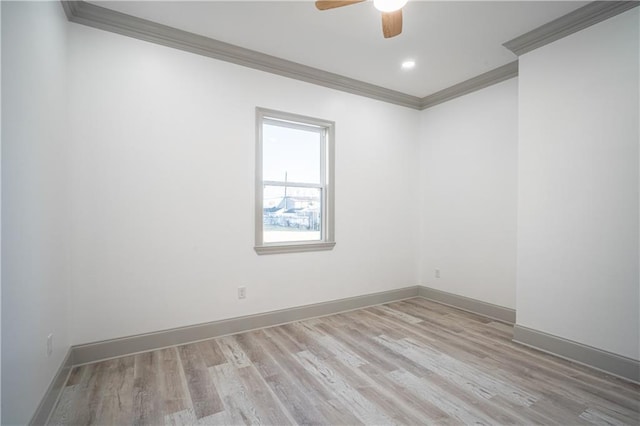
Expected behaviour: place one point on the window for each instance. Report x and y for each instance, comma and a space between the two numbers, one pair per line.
294, 183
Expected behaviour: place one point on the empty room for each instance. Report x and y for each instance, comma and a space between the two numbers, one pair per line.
320, 212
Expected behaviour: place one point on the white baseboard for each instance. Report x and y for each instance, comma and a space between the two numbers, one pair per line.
617, 365
92, 352
50, 398
626, 368
475, 306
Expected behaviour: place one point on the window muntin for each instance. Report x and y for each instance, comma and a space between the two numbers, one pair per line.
294, 183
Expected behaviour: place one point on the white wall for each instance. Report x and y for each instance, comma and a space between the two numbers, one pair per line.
0, 215
140, 194
468, 171
578, 187
35, 213
163, 191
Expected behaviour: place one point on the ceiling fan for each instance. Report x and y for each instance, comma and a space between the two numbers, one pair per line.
391, 12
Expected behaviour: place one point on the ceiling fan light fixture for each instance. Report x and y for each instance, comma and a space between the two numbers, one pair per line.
389, 5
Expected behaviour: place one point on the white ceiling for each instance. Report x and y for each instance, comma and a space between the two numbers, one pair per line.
450, 41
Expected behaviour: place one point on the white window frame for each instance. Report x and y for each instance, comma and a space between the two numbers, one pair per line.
326, 186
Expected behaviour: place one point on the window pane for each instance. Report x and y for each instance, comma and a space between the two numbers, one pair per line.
290, 152
291, 214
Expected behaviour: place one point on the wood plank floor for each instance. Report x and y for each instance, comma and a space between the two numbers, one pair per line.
409, 362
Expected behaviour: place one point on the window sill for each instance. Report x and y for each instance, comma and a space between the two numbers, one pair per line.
294, 247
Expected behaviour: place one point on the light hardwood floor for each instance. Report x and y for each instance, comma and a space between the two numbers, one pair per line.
409, 362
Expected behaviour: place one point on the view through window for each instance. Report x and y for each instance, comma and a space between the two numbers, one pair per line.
294, 180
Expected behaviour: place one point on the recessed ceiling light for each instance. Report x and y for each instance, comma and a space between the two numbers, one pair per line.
408, 64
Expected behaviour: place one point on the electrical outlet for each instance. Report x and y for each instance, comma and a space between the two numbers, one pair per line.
242, 292
50, 344
437, 273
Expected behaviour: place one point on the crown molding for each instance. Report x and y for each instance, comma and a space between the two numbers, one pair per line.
99, 17
109, 20
481, 81
568, 24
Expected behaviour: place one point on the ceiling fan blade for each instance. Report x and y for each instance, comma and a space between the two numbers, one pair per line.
332, 4
391, 23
